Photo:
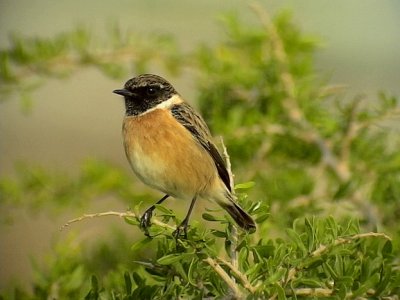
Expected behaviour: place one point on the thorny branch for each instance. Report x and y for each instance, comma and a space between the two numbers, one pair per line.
295, 114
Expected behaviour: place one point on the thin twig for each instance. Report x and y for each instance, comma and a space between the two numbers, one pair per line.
345, 240
116, 214
340, 241
350, 130
225, 277
311, 292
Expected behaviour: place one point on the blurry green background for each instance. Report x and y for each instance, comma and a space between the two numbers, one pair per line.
79, 118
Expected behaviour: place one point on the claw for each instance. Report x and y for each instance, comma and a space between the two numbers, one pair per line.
145, 221
181, 230
184, 225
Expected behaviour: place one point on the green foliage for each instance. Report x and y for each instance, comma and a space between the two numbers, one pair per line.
29, 61
38, 188
327, 172
320, 258
307, 149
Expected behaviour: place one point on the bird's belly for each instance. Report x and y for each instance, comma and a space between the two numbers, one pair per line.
165, 156
145, 166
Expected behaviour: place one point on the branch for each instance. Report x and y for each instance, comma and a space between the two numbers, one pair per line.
341, 241
350, 130
311, 292
117, 214
290, 104
225, 277
239, 275
322, 249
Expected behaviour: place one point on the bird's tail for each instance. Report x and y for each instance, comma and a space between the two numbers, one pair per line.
242, 218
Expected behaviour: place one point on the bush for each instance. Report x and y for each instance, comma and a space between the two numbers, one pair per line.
326, 177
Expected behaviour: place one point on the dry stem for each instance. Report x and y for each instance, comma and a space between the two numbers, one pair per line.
345, 240
225, 277
239, 275
116, 214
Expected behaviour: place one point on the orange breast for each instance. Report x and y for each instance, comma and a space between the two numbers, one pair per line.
164, 155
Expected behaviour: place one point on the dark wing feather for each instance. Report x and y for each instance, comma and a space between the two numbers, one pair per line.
193, 122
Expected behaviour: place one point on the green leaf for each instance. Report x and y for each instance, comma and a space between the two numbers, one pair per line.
369, 284
386, 276
180, 270
138, 279
209, 217
172, 258
387, 249
313, 283
128, 283
140, 244
164, 210
330, 270
262, 218
245, 185
280, 291
218, 233
295, 237
192, 267
95, 284
131, 221
94, 292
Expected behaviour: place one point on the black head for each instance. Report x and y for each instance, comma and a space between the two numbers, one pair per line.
144, 92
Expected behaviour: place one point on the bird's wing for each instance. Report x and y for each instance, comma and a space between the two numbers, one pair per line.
193, 122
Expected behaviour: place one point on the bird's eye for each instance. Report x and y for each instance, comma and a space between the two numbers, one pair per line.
152, 90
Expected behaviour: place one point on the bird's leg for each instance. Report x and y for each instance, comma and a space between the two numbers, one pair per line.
145, 220
184, 225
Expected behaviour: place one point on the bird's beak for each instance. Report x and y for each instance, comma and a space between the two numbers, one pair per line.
124, 92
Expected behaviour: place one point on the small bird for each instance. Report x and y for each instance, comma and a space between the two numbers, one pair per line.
169, 148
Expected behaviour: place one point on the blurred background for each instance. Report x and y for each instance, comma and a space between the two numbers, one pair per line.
79, 118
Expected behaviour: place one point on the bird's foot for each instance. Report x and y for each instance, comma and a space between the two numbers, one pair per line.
181, 230
145, 221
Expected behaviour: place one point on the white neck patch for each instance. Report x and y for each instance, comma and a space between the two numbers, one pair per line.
175, 99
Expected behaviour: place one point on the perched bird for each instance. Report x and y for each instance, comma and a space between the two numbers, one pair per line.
169, 148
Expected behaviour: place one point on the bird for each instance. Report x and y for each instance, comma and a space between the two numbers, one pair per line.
169, 147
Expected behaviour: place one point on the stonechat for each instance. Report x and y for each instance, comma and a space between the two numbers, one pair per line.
169, 147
